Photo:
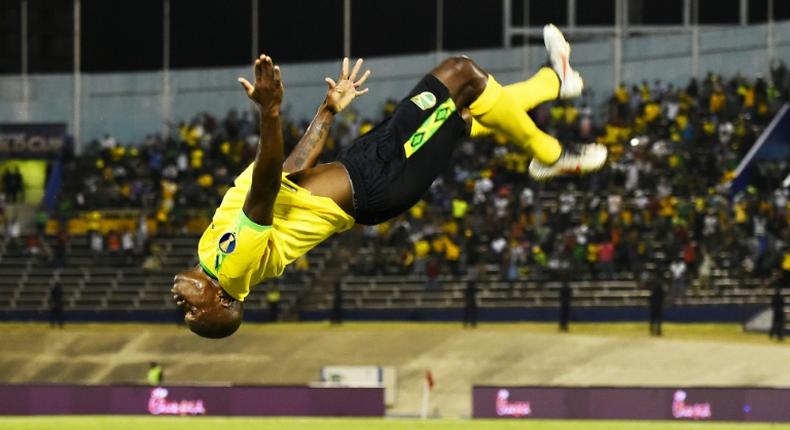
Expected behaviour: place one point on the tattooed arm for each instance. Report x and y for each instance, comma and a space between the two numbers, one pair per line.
338, 97
308, 149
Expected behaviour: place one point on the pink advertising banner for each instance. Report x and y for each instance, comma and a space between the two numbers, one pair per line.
182, 400
649, 403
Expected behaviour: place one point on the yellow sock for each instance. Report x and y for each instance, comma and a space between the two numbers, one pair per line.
498, 109
541, 87
479, 130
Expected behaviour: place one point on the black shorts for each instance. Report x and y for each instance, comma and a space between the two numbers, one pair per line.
393, 165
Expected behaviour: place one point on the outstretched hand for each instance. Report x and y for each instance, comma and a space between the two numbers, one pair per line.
341, 93
268, 90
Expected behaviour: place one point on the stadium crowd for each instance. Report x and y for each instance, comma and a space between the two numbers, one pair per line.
662, 198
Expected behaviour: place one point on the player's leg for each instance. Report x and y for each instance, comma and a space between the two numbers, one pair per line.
470, 86
392, 166
542, 87
558, 80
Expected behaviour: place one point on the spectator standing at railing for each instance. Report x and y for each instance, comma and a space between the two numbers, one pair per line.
56, 316
778, 320
678, 270
606, 259
127, 245
96, 243
421, 250
566, 296
452, 255
706, 271
114, 243
690, 255
14, 233
515, 259
592, 258
432, 271
62, 247
273, 297
336, 317
656, 304
470, 303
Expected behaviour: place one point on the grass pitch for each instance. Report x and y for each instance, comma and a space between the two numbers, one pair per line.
205, 423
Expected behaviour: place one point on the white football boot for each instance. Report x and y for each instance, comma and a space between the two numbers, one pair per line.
559, 50
573, 161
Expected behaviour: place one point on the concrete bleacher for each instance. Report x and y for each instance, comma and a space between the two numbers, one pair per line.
411, 291
117, 283
408, 293
104, 283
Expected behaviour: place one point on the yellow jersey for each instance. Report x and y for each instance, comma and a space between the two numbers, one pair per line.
240, 253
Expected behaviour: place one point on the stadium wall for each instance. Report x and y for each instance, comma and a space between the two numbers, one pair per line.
131, 105
733, 313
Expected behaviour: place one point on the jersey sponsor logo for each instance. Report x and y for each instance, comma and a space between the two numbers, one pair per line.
424, 100
227, 243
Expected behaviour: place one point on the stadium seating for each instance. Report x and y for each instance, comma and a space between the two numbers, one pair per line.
107, 284
116, 283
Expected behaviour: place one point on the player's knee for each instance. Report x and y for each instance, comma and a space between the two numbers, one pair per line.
457, 63
461, 75
462, 67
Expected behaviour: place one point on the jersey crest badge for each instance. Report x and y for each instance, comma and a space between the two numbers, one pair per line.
424, 100
227, 243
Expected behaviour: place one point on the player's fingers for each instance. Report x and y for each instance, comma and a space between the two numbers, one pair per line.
256, 68
362, 79
267, 65
344, 69
361, 92
278, 76
355, 70
248, 88
330, 82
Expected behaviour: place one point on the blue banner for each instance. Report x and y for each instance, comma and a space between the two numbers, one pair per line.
773, 144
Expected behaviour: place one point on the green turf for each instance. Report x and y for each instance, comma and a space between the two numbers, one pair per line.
177, 423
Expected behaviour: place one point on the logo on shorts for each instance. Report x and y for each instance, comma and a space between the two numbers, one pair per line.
424, 100
227, 243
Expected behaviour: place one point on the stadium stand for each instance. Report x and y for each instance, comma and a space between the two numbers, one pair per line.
664, 200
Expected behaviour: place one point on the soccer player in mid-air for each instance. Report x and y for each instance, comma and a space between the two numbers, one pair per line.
279, 209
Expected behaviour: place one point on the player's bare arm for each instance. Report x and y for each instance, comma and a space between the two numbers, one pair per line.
339, 95
267, 93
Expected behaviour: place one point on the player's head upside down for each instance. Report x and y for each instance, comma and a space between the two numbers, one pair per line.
209, 311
